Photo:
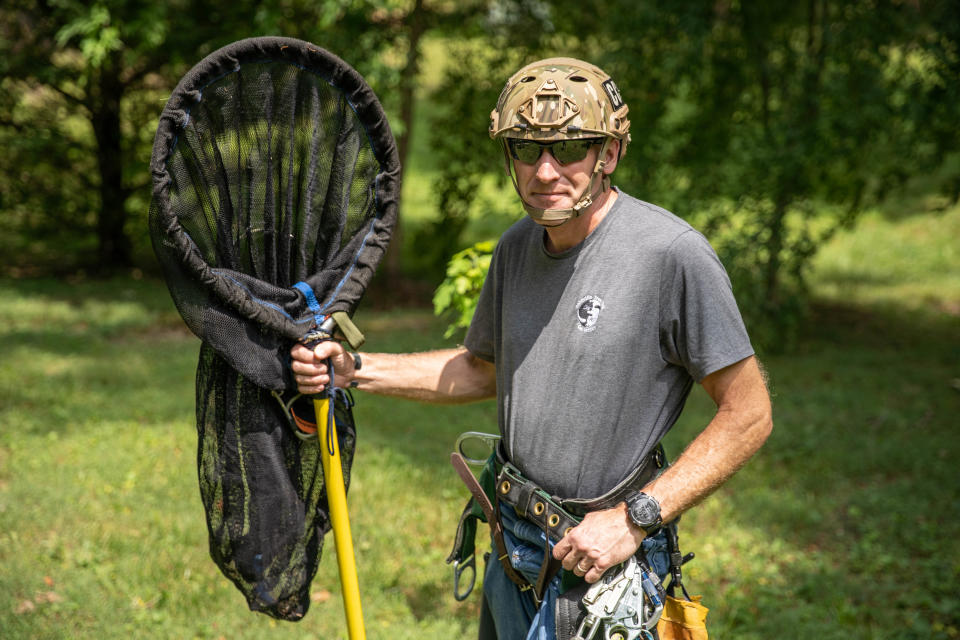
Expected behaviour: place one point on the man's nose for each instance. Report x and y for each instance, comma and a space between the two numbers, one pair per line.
547, 167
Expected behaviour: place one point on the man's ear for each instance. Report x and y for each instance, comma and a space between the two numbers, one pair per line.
611, 157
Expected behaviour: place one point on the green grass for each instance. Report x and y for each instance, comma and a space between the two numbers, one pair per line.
846, 525
912, 263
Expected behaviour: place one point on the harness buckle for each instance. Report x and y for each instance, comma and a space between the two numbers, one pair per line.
458, 569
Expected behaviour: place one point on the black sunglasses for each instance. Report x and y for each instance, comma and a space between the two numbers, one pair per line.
563, 151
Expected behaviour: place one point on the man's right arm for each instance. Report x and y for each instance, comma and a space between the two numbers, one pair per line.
445, 376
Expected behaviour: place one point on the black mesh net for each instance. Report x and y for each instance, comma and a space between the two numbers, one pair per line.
262, 487
275, 191
273, 164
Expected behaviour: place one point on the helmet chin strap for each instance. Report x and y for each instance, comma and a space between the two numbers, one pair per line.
557, 217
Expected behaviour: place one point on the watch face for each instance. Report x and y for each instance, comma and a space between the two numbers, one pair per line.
645, 511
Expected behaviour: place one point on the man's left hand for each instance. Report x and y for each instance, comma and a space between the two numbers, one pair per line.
602, 540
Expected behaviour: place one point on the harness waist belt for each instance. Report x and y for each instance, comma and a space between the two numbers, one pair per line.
553, 515
524, 496
533, 504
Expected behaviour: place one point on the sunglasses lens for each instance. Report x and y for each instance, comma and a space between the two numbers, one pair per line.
563, 151
525, 151
570, 150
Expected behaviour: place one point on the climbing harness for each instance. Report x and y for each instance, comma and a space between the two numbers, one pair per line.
479, 507
501, 482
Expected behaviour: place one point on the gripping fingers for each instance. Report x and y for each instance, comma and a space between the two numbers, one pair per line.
309, 365
311, 387
311, 376
590, 570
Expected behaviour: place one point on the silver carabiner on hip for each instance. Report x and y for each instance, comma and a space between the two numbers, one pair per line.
487, 440
458, 570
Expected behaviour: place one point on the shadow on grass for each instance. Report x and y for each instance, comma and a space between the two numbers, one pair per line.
150, 292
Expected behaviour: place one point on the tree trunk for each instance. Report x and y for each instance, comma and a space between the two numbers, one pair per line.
114, 244
775, 247
416, 22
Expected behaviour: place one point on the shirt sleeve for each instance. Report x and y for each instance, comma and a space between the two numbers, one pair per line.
701, 328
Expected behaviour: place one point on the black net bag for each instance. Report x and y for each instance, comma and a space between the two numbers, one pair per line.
275, 190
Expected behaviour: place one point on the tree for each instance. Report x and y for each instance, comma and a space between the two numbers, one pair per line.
772, 123
405, 25
80, 77
791, 118
83, 85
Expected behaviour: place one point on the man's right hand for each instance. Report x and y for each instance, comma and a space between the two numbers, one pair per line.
310, 366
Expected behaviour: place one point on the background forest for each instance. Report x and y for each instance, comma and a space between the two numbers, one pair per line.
816, 144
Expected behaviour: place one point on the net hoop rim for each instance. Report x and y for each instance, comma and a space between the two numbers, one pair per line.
175, 117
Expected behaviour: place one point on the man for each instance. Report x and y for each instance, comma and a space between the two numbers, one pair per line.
598, 313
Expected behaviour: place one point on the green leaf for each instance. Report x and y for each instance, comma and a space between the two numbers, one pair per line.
459, 291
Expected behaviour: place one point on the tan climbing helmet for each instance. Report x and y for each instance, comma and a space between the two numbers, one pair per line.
561, 99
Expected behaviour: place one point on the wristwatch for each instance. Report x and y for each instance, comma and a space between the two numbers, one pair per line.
644, 511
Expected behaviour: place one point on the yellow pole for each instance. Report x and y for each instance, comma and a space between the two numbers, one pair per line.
339, 519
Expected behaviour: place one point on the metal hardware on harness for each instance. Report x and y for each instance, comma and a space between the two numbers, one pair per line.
627, 602
458, 569
533, 504
501, 482
489, 440
467, 526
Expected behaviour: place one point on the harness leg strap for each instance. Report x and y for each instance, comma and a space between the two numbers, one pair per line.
493, 518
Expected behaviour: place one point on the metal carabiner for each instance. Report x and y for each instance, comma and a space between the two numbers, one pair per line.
458, 569
488, 439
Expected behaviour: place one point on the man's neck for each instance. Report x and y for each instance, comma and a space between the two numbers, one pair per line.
575, 230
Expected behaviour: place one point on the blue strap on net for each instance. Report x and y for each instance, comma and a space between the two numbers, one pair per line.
312, 301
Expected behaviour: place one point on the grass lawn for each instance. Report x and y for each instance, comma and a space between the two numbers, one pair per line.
845, 526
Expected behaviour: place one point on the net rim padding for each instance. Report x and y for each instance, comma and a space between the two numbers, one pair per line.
176, 115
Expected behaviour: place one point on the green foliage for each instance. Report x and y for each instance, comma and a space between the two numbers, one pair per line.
910, 264
83, 84
463, 152
740, 233
97, 37
737, 109
458, 293
760, 112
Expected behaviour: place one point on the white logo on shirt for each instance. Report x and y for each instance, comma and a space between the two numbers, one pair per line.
588, 310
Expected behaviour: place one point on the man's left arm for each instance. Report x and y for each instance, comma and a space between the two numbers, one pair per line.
740, 427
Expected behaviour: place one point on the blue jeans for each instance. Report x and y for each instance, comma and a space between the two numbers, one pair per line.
515, 614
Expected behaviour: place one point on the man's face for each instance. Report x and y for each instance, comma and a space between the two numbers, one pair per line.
547, 184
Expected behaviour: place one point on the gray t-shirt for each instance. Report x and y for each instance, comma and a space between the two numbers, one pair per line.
596, 348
